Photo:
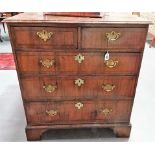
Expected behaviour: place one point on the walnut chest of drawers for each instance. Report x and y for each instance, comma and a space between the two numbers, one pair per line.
77, 72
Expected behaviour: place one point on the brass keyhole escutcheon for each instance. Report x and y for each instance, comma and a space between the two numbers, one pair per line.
45, 35
79, 105
108, 87
112, 36
79, 82
79, 58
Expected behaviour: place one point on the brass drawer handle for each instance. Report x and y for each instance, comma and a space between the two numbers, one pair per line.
112, 36
111, 63
79, 82
79, 58
51, 112
47, 63
106, 111
50, 88
108, 87
79, 105
44, 35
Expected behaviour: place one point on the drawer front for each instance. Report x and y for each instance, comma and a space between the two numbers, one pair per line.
78, 111
78, 63
100, 38
44, 37
36, 62
41, 88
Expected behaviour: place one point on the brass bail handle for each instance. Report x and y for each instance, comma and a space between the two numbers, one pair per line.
108, 87
48, 63
51, 112
44, 35
112, 36
109, 62
106, 111
50, 88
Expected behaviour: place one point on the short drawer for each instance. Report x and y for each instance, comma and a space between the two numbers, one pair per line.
44, 37
113, 38
78, 63
65, 112
74, 87
36, 62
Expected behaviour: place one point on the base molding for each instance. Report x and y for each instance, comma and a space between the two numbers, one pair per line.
34, 133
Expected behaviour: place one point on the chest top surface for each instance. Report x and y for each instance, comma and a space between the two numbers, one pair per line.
113, 18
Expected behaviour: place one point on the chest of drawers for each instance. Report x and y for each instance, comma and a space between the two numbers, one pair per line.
77, 72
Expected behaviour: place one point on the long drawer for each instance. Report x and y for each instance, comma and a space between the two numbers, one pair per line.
44, 37
118, 38
78, 63
75, 87
65, 112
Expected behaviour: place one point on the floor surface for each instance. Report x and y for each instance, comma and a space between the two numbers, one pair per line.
5, 46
